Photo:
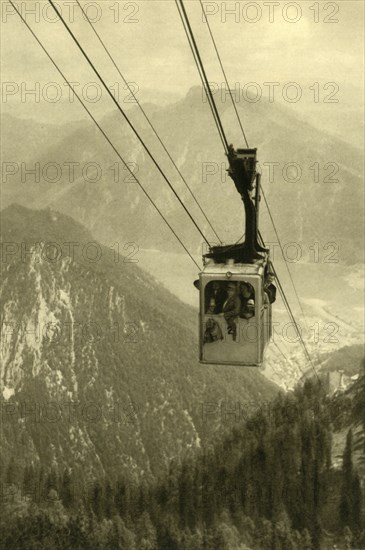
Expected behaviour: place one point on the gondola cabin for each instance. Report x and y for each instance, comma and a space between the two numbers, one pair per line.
236, 290
235, 313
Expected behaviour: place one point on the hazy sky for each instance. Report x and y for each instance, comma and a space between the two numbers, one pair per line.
303, 41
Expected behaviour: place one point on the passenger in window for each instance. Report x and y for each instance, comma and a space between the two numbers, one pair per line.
269, 288
211, 307
231, 309
216, 296
212, 332
247, 300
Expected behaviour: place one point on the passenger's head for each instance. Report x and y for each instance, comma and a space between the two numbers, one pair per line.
246, 290
210, 324
231, 289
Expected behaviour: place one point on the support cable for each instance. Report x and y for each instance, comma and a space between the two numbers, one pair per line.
282, 252
197, 57
125, 116
209, 97
102, 131
290, 313
146, 117
224, 73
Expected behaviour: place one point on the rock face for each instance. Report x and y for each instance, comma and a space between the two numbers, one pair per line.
99, 362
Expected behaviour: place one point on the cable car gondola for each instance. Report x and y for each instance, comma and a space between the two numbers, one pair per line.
236, 290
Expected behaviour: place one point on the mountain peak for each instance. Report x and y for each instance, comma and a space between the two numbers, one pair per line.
23, 224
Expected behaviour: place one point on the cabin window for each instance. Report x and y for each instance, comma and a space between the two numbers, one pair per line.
232, 299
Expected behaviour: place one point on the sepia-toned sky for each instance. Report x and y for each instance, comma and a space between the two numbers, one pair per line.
316, 45
151, 48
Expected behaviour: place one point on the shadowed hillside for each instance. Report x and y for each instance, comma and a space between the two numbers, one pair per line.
99, 362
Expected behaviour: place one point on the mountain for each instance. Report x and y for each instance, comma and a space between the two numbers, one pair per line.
99, 367
316, 182
350, 359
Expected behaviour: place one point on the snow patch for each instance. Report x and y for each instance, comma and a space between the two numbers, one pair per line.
8, 392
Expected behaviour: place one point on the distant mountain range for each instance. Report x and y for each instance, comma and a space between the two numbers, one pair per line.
99, 367
324, 205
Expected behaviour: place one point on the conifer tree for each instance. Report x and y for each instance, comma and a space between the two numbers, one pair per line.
351, 494
66, 490
97, 500
357, 504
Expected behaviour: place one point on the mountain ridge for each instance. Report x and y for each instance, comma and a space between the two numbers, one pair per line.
81, 339
111, 207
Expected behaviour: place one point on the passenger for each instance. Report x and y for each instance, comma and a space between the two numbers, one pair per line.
247, 295
211, 307
231, 309
218, 295
269, 288
213, 332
